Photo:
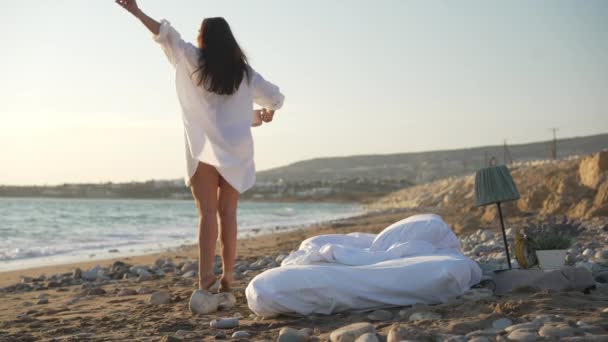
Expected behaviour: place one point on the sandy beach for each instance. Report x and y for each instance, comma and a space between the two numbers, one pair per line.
119, 310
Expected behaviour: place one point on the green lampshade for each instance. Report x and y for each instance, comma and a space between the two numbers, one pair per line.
494, 184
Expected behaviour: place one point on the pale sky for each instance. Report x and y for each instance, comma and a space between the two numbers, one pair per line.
87, 96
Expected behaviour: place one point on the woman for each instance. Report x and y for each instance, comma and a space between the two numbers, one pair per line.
216, 89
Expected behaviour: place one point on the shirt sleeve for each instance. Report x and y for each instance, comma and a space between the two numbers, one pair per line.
171, 42
265, 93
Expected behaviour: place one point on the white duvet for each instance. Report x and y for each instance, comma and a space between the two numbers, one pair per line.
415, 260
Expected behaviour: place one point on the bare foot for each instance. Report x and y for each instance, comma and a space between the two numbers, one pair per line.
225, 283
206, 281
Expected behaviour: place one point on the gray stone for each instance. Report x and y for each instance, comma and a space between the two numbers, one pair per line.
477, 294
588, 252
367, 337
91, 274
397, 333
226, 300
144, 290
291, 335
190, 274
241, 334
455, 338
380, 315
480, 339
523, 326
190, 266
485, 332
42, 301
203, 302
160, 298
523, 335
591, 329
424, 316
587, 338
502, 323
225, 323
126, 292
77, 273
556, 331
306, 331
542, 319
351, 332
604, 312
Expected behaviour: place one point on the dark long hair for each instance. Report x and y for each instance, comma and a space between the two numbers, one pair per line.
222, 63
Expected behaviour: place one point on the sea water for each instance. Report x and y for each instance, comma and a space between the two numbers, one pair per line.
45, 231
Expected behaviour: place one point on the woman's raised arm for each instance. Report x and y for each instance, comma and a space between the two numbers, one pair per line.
131, 6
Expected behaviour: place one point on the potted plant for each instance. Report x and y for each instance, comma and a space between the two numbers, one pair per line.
550, 241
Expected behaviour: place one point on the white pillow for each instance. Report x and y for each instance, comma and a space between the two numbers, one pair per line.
427, 227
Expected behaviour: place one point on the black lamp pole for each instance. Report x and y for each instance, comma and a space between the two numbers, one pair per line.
504, 234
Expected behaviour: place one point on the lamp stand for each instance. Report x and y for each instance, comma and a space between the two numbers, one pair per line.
504, 234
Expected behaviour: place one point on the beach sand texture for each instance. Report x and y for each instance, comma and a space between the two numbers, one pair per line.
120, 310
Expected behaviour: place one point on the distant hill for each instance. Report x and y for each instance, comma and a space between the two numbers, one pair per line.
423, 167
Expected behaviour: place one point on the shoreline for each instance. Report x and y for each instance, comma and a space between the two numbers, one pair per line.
141, 248
8, 277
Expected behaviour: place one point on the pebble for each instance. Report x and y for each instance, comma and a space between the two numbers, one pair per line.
26, 304
485, 332
424, 316
587, 338
126, 292
224, 323
397, 334
291, 335
203, 302
190, 274
523, 326
306, 331
380, 315
144, 290
91, 274
42, 301
351, 332
159, 298
96, 291
588, 252
241, 334
480, 339
523, 335
556, 331
502, 323
226, 300
604, 312
477, 294
368, 337
456, 338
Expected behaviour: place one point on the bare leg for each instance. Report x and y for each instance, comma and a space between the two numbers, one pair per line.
228, 201
205, 184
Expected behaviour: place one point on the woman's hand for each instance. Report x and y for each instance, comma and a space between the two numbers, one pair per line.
129, 5
267, 114
257, 118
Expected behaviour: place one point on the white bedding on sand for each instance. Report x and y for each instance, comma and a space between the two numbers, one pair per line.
415, 260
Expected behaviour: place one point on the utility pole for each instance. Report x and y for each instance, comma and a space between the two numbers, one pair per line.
554, 145
506, 154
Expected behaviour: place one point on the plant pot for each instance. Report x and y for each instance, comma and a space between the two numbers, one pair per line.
551, 259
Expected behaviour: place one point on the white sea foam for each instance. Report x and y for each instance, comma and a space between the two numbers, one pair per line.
36, 232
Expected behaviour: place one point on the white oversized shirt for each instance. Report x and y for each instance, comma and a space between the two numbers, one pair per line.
217, 128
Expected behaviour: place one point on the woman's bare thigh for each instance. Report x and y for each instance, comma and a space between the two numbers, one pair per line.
204, 187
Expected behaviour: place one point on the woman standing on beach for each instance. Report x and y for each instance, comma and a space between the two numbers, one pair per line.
216, 88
